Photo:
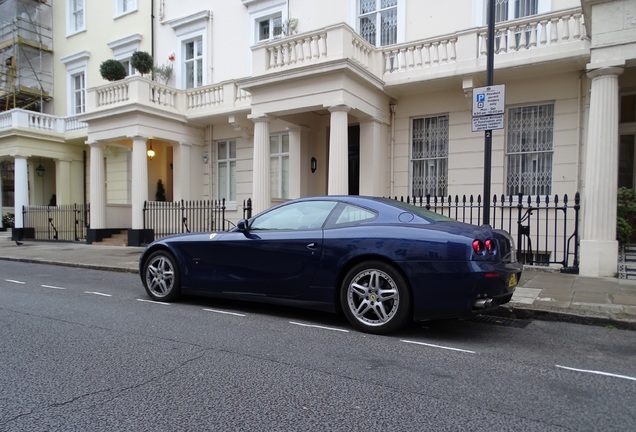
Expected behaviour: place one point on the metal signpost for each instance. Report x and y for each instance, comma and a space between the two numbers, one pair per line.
486, 107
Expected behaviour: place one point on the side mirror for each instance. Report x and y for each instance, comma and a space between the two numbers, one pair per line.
242, 225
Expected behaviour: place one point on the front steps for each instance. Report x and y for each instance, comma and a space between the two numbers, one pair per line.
116, 239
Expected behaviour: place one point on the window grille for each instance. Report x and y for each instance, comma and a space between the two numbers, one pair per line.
506, 10
377, 20
529, 149
430, 156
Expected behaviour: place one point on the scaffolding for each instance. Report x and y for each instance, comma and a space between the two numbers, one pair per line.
26, 54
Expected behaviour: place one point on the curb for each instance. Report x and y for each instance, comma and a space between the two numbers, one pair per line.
561, 315
77, 265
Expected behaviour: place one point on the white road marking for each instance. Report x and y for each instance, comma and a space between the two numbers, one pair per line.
224, 312
598, 373
152, 301
438, 346
320, 327
97, 293
15, 281
52, 287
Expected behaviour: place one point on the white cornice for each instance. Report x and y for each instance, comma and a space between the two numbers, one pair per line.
190, 19
77, 57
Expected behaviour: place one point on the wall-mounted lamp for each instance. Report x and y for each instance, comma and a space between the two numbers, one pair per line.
150, 152
313, 165
40, 170
204, 158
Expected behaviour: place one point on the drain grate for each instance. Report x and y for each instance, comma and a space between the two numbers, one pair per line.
501, 321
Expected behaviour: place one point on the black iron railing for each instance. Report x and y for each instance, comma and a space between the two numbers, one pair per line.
546, 229
168, 218
61, 222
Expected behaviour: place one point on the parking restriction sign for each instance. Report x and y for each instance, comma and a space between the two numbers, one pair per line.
489, 100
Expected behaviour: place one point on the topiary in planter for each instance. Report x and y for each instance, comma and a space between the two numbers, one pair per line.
142, 61
112, 70
626, 215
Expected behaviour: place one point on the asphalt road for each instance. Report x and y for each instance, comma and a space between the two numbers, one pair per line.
86, 350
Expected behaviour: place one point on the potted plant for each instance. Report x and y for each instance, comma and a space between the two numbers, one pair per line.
142, 61
112, 70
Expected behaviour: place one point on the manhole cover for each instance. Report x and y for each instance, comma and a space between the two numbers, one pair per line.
500, 321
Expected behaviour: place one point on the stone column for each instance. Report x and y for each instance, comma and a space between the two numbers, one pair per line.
338, 151
261, 199
599, 248
97, 187
139, 181
374, 154
63, 182
21, 189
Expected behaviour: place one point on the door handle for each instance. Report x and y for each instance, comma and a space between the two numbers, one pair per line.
312, 246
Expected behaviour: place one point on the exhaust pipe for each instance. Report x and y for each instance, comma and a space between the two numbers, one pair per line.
483, 303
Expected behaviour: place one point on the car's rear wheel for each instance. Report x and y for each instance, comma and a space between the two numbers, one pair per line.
375, 298
161, 277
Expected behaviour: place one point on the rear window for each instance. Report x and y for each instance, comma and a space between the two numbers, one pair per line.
420, 211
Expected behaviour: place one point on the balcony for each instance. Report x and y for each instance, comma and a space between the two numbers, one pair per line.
557, 36
34, 122
142, 93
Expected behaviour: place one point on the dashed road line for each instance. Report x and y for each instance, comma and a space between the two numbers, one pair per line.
438, 346
224, 312
152, 301
52, 287
597, 372
97, 293
319, 327
15, 281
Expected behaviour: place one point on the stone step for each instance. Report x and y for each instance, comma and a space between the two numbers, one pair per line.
119, 239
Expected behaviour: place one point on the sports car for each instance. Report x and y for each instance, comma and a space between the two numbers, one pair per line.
382, 262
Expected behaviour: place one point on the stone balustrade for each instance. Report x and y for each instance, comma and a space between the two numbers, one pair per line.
535, 32
29, 120
223, 97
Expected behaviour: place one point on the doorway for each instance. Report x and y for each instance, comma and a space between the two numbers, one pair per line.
354, 159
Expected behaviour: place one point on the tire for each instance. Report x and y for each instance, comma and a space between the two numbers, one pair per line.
161, 277
375, 298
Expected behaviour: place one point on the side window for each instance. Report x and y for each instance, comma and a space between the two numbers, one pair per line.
123, 7
429, 154
529, 149
193, 62
378, 21
75, 16
226, 170
76, 85
279, 165
352, 214
269, 27
297, 216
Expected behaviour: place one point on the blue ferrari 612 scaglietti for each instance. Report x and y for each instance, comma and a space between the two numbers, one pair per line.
382, 262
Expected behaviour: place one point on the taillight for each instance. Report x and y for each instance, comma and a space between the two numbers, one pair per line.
485, 247
478, 247
490, 246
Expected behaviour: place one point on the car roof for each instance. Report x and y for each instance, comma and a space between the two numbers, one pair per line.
382, 204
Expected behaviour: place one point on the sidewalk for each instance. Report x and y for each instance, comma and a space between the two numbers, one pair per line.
542, 293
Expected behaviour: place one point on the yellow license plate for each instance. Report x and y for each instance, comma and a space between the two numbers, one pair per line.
513, 280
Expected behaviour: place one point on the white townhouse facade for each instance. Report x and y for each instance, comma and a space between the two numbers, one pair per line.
277, 99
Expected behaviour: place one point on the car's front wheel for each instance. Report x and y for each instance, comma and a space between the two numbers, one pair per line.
161, 277
375, 298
